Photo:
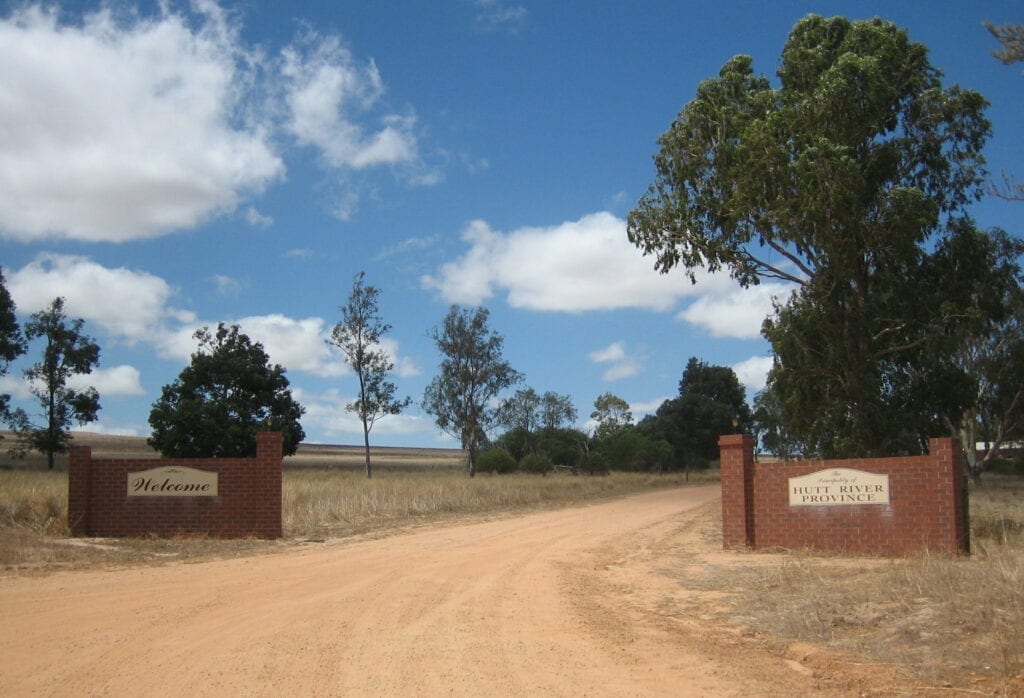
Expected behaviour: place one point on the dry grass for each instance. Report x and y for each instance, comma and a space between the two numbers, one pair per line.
410, 486
943, 620
330, 503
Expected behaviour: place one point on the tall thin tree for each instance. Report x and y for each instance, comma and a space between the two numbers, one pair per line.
68, 352
473, 373
358, 335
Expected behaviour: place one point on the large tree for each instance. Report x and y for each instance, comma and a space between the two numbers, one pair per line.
227, 393
67, 352
12, 343
838, 180
711, 402
472, 374
358, 335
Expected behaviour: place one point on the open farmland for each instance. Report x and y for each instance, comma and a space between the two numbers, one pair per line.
308, 455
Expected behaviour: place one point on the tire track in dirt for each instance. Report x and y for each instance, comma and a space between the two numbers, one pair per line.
550, 603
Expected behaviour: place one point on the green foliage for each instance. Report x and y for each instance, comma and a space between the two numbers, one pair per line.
1007, 466
472, 374
621, 449
840, 181
538, 463
12, 343
1011, 37
562, 446
67, 352
496, 460
611, 413
358, 335
219, 402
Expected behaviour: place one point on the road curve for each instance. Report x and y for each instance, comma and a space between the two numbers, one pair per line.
540, 604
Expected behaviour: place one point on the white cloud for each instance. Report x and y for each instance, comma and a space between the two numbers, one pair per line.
131, 305
577, 266
642, 409
124, 128
15, 386
493, 15
256, 219
117, 381
623, 365
101, 428
753, 372
226, 285
736, 313
298, 345
326, 413
326, 89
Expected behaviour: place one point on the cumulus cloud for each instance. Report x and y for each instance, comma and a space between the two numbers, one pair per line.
622, 365
736, 313
122, 128
576, 266
326, 88
753, 372
326, 413
131, 305
121, 380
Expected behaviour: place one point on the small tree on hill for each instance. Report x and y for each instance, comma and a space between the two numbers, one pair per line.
68, 352
358, 336
218, 403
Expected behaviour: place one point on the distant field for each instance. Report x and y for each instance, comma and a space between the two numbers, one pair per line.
309, 455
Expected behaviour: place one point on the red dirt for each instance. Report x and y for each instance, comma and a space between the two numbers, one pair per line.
566, 602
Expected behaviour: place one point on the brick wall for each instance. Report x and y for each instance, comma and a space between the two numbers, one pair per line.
927, 507
248, 501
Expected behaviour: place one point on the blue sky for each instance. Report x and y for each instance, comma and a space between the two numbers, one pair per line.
166, 168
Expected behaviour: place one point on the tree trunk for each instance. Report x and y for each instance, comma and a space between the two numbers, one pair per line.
366, 445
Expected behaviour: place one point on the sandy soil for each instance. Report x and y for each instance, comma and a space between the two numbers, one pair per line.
560, 603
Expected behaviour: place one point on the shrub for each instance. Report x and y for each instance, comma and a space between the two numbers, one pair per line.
496, 460
1005, 466
536, 463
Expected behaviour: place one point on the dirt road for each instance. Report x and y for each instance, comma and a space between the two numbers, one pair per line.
560, 603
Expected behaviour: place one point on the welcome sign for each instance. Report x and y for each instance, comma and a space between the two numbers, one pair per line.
172, 481
838, 486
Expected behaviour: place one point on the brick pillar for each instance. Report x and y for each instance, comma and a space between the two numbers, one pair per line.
269, 455
737, 474
79, 477
952, 493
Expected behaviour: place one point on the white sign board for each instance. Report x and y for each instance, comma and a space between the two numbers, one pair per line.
172, 481
838, 486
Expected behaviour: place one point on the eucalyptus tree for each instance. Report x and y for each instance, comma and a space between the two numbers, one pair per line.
473, 373
358, 335
837, 180
67, 352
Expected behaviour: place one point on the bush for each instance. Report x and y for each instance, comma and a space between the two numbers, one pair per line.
1004, 466
495, 460
536, 463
